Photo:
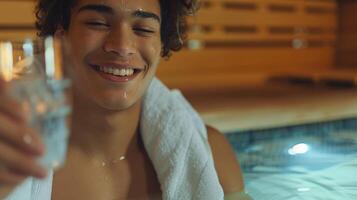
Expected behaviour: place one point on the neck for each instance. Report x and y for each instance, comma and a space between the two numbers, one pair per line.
97, 131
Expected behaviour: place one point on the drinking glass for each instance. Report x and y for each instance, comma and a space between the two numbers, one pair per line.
37, 79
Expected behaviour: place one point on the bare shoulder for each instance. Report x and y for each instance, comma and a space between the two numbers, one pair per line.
226, 163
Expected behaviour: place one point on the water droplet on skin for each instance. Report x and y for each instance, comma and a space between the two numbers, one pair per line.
118, 159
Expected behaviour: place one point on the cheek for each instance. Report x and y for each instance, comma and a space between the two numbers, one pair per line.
81, 46
152, 53
83, 42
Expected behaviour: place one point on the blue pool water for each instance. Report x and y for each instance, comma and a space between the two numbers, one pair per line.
286, 159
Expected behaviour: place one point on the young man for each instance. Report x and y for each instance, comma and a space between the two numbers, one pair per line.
115, 47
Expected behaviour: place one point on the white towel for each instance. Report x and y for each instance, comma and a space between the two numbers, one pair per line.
176, 140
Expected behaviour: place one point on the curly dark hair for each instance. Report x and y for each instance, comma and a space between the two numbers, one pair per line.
51, 14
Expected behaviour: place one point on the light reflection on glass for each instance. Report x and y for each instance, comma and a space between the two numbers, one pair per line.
6, 62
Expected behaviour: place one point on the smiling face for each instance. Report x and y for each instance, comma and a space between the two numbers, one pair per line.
115, 48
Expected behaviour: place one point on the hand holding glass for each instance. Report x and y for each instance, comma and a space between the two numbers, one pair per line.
37, 80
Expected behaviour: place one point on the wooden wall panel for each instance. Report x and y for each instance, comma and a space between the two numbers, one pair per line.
347, 43
246, 60
10, 34
17, 19
18, 12
237, 38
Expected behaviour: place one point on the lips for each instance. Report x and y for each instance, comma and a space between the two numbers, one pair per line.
116, 73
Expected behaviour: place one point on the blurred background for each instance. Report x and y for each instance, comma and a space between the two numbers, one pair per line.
277, 77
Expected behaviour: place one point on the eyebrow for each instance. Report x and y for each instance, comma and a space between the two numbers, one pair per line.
108, 10
147, 15
97, 8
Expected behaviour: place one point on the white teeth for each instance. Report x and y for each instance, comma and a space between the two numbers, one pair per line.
120, 72
116, 71
130, 71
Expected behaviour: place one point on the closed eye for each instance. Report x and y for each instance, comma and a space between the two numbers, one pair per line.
143, 30
98, 24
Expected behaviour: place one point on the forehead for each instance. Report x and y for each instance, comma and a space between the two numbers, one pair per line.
124, 5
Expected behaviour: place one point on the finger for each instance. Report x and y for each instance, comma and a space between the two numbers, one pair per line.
13, 159
10, 178
2, 84
12, 108
23, 137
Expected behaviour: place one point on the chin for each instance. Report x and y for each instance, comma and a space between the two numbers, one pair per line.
115, 103
104, 100
115, 106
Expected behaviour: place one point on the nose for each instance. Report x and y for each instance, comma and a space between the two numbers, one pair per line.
120, 41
